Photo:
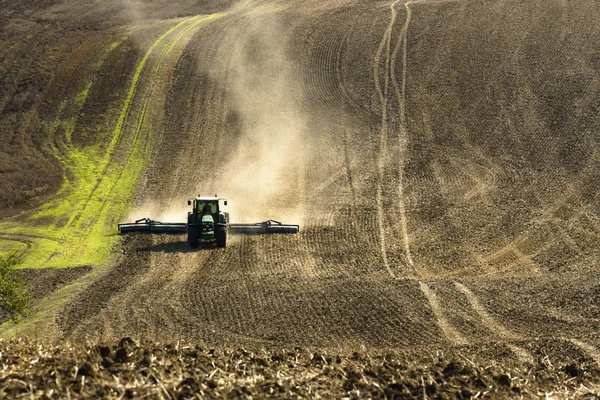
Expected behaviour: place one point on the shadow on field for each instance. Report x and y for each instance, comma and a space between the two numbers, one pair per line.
176, 247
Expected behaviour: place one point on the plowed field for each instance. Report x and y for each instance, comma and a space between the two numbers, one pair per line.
441, 157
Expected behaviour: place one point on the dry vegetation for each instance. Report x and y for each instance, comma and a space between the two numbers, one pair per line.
131, 370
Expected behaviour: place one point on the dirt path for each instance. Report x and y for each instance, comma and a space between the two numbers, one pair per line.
399, 149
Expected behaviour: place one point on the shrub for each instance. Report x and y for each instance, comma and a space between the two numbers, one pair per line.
14, 299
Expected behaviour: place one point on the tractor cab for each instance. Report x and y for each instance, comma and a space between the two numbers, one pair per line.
206, 208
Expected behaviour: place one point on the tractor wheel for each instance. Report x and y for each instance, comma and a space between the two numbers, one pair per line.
221, 238
193, 236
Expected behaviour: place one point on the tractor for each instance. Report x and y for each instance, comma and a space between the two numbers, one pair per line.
206, 222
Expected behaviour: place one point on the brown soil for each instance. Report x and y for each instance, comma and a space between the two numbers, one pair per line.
47, 51
456, 215
127, 369
441, 157
42, 282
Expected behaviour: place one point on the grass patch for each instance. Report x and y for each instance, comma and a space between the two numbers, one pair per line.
78, 225
14, 299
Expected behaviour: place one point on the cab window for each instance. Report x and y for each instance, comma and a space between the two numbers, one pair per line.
208, 207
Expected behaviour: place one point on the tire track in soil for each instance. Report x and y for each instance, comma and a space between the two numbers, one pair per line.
348, 168
26, 243
493, 325
382, 92
400, 91
27, 240
452, 334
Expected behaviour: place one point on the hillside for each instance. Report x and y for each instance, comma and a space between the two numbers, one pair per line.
441, 157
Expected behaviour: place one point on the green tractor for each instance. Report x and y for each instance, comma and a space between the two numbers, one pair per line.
206, 222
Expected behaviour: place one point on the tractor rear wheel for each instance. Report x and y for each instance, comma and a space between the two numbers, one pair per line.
221, 236
193, 236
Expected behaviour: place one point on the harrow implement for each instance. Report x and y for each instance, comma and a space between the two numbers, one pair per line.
207, 223
268, 226
149, 225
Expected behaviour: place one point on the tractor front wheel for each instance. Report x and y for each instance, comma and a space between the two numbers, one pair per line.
193, 236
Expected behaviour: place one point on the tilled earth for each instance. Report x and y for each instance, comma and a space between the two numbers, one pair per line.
442, 159
126, 369
445, 196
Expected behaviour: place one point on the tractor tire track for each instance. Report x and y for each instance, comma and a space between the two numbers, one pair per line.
27, 244
400, 91
348, 168
452, 334
493, 325
382, 92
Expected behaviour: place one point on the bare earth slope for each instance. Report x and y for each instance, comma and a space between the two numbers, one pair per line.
442, 158
50, 51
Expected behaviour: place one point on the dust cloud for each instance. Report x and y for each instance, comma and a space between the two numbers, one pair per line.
133, 10
264, 176
266, 169
157, 211
139, 10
